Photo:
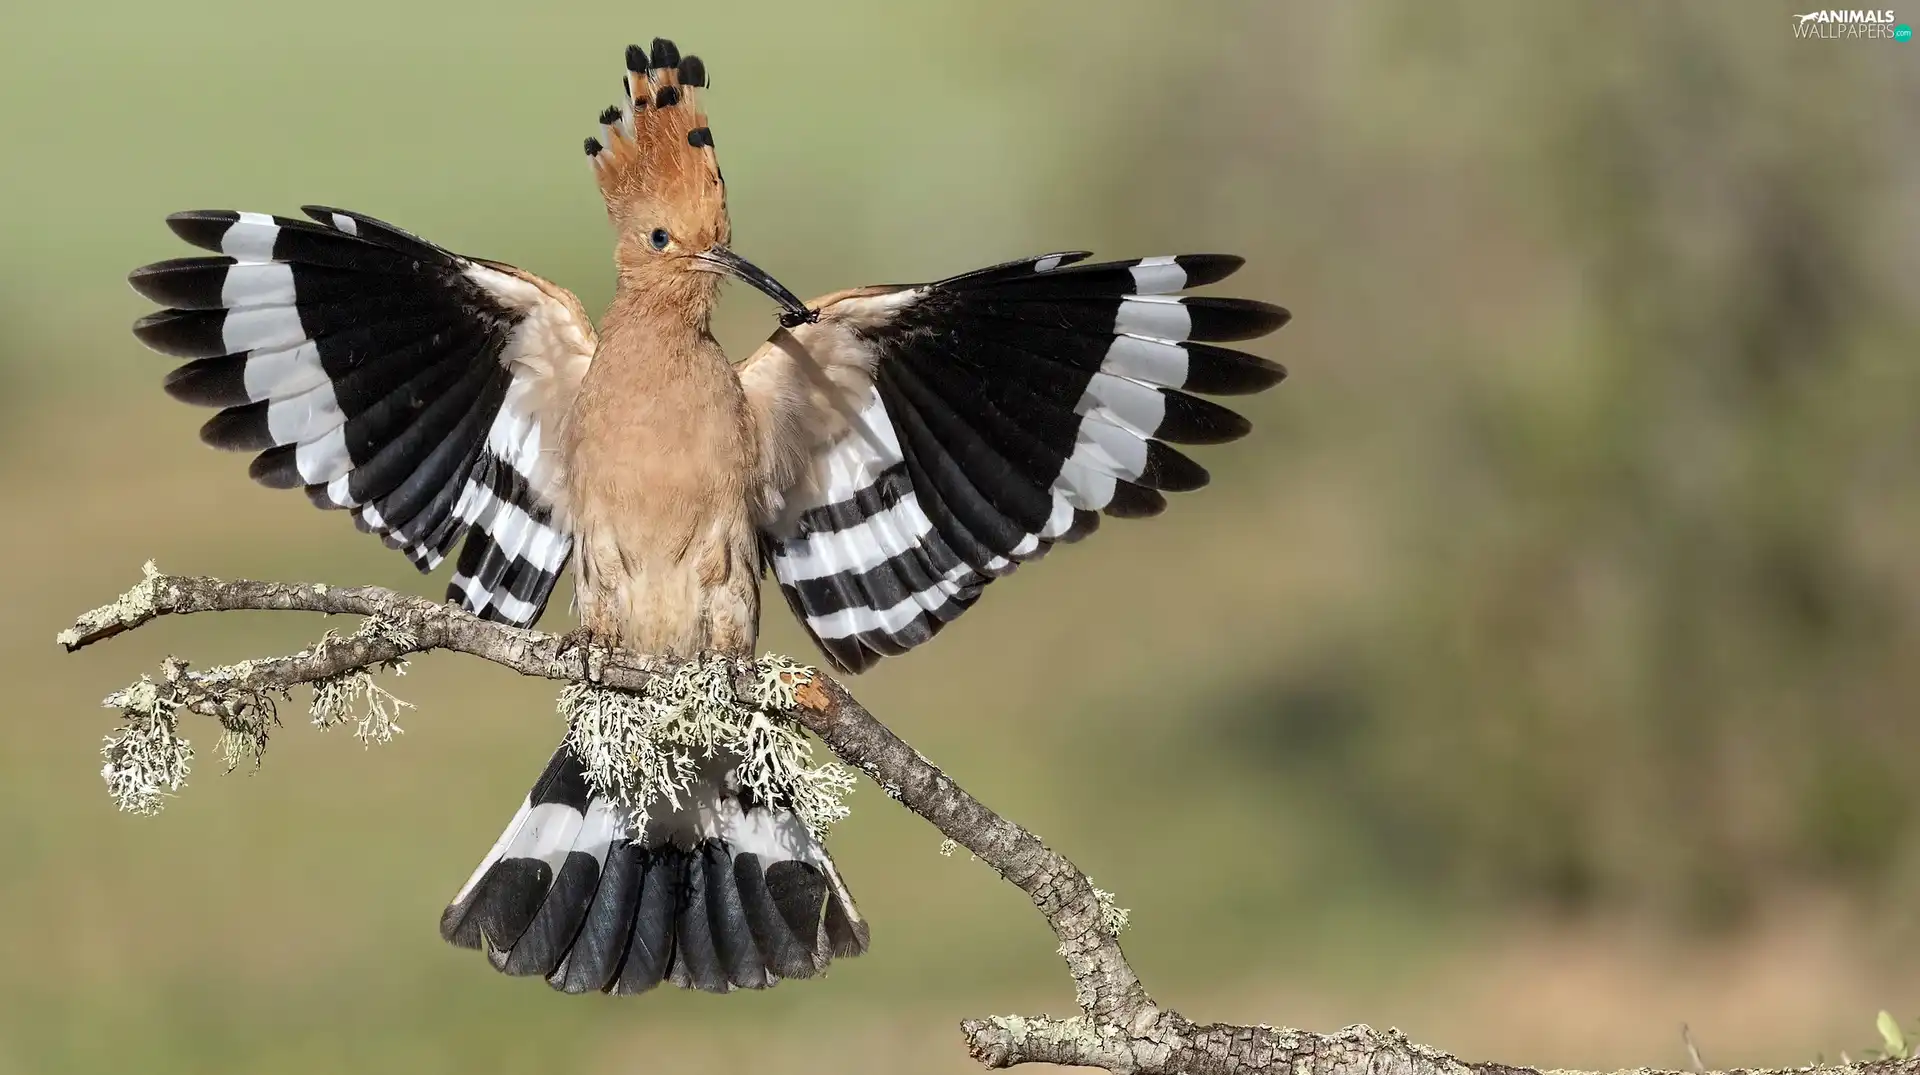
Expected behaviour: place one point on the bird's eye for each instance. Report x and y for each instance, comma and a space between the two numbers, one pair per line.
659, 238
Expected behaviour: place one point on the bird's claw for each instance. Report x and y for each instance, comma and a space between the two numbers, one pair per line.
586, 641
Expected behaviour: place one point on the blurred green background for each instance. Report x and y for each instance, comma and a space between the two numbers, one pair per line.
1539, 676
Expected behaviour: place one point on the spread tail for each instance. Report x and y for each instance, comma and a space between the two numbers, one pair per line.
722, 894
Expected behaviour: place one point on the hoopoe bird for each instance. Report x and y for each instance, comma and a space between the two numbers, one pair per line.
888, 453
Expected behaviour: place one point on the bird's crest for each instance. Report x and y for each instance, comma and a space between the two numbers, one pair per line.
655, 151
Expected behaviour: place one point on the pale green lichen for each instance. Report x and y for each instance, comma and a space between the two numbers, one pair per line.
1088, 1037
947, 847
354, 696
1017, 1027
1113, 917
621, 743
375, 629
146, 759
244, 738
247, 716
777, 682
778, 766
647, 747
393, 631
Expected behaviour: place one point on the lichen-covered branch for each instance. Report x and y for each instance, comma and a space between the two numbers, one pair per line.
1119, 1027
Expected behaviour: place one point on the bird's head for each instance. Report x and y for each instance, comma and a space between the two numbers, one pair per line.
665, 196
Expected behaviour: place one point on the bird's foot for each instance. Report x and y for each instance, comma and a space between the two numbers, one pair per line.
589, 643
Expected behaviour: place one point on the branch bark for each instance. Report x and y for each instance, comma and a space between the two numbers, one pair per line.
1119, 1027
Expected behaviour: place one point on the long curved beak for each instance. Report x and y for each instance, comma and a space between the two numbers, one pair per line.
721, 260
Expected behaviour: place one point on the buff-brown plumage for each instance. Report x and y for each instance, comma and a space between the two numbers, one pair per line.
657, 446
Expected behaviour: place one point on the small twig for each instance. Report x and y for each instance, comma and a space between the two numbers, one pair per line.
1120, 1028
1693, 1050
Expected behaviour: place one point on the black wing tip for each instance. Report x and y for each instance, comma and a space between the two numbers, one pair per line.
637, 59
181, 333
1220, 371
172, 282
693, 72
167, 265
1171, 471
201, 227
146, 322
1084, 523
207, 382
594, 147
1132, 501
1235, 425
1204, 269
1236, 319
1280, 316
238, 429
1190, 419
139, 278
277, 468
202, 216
610, 115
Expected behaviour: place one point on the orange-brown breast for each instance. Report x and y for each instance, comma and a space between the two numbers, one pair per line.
659, 454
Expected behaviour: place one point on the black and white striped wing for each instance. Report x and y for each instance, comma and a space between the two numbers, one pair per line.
387, 376
1001, 411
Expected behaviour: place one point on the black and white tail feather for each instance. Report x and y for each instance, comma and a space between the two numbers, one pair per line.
387, 376
988, 416
723, 893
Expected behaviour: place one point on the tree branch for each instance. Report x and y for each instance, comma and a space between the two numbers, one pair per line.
1120, 1028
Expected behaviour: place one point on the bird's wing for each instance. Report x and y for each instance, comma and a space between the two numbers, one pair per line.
918, 442
415, 387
